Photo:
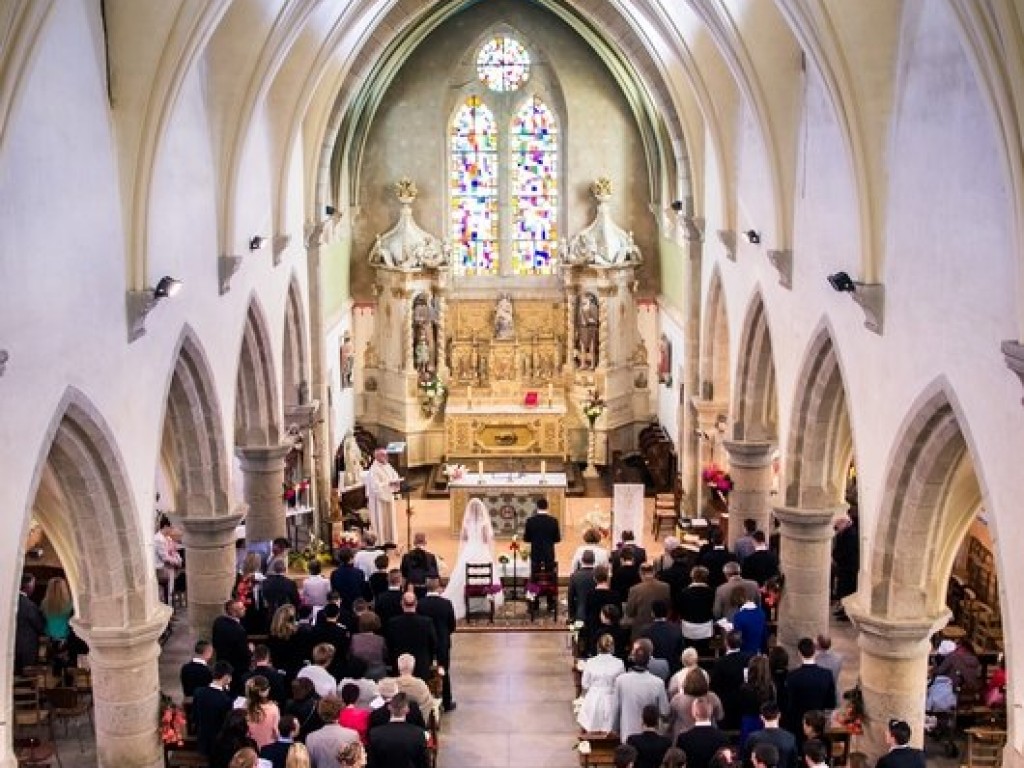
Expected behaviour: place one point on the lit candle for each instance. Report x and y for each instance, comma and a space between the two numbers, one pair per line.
469, 394
543, 467
480, 468
551, 393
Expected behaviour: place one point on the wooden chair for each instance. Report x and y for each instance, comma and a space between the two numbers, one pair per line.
479, 586
602, 749
544, 584
29, 714
66, 705
186, 756
79, 678
985, 747
36, 753
838, 740
433, 742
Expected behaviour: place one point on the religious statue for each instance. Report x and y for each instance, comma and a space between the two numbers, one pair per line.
293, 460
348, 360
588, 321
640, 353
421, 356
665, 361
406, 246
353, 457
424, 335
504, 318
370, 358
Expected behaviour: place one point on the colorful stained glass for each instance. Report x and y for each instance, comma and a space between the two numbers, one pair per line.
503, 64
534, 147
473, 188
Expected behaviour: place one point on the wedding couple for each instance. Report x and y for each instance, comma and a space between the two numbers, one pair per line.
476, 548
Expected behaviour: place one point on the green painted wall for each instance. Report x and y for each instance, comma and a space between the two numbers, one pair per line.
672, 259
334, 267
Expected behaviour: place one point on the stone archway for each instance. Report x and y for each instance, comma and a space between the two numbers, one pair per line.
931, 496
754, 418
258, 431
193, 458
294, 378
82, 499
818, 455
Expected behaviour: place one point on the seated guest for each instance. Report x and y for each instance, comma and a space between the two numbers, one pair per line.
324, 682
325, 743
701, 742
368, 644
197, 672
210, 706
961, 666
303, 706
277, 751
696, 611
316, 586
352, 716
695, 686
591, 543
650, 745
381, 714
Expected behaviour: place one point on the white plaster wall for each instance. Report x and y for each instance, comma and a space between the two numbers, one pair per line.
670, 323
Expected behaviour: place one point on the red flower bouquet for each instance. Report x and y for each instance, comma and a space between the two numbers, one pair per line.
172, 722
717, 479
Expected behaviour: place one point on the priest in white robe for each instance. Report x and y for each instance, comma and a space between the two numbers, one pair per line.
383, 482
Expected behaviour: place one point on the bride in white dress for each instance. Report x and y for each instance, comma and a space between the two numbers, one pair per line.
476, 547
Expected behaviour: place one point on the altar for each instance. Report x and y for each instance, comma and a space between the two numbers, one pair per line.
494, 428
509, 497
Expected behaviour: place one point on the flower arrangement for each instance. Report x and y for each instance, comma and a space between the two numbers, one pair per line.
350, 539
172, 722
317, 549
851, 715
455, 471
717, 479
293, 493
432, 395
518, 550
593, 407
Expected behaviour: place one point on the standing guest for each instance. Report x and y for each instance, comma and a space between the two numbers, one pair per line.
210, 706
695, 686
827, 658
845, 562
807, 687
666, 637
232, 739
303, 706
388, 604
778, 663
696, 611
298, 757
30, 625
382, 483
656, 666
667, 557
197, 673
378, 580
765, 756
398, 742
813, 726
380, 713
626, 574
901, 754
639, 614
246, 757
414, 688
816, 755
714, 556
610, 623
324, 682
263, 666
725, 606
762, 564
727, 678
650, 745
581, 584
439, 609
347, 580
412, 634
419, 564
248, 590
690, 661
961, 665
277, 751
542, 532
775, 537
597, 713
278, 553
368, 644
166, 558
289, 642
744, 545
757, 691
57, 608
634, 690
677, 575
624, 756
701, 742
353, 716
602, 595
352, 756
331, 632
591, 543
325, 743
357, 676
231, 642
278, 589
365, 559
316, 586
261, 713
783, 741
750, 621
628, 540
674, 758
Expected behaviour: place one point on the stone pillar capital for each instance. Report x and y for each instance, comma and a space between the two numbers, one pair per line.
262, 458
895, 639
754, 454
128, 645
808, 523
208, 532
709, 411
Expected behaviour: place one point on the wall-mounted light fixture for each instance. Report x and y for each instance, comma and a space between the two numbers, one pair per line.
753, 236
166, 287
257, 242
842, 282
869, 296
677, 205
330, 210
141, 303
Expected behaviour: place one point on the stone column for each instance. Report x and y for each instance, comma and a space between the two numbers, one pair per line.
893, 673
126, 691
806, 562
750, 465
209, 566
262, 480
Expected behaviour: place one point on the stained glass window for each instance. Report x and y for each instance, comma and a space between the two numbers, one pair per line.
534, 150
503, 64
474, 188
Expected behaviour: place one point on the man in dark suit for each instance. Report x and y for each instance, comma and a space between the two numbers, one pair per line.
277, 589
277, 752
30, 625
677, 574
388, 604
231, 642
418, 565
761, 564
808, 687
412, 634
628, 540
581, 584
263, 665
764, 755
650, 745
542, 532
210, 705
727, 677
702, 741
197, 672
783, 741
331, 631
626, 575
666, 637
714, 556
348, 581
901, 754
602, 595
638, 614
398, 744
388, 689
440, 610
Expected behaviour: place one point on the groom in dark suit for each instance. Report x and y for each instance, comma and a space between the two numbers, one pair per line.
542, 533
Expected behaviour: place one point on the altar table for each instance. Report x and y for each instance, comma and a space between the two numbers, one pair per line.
510, 497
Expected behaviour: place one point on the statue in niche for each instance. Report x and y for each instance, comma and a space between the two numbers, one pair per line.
474, 359
665, 361
504, 318
640, 354
588, 326
348, 360
370, 358
353, 457
424, 334
421, 357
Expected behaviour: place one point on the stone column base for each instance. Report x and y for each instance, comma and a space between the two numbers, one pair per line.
262, 486
209, 566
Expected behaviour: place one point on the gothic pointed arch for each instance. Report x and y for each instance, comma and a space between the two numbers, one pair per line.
257, 414
755, 405
714, 359
294, 363
193, 445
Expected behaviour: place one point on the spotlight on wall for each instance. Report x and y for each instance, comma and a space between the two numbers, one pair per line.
753, 236
330, 210
257, 242
166, 288
842, 282
677, 205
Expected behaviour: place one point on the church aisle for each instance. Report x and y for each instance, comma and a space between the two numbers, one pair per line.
514, 694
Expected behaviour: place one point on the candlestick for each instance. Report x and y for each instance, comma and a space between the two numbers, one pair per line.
551, 393
480, 468
543, 467
469, 395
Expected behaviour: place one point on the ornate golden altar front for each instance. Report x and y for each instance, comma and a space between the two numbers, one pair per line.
492, 429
